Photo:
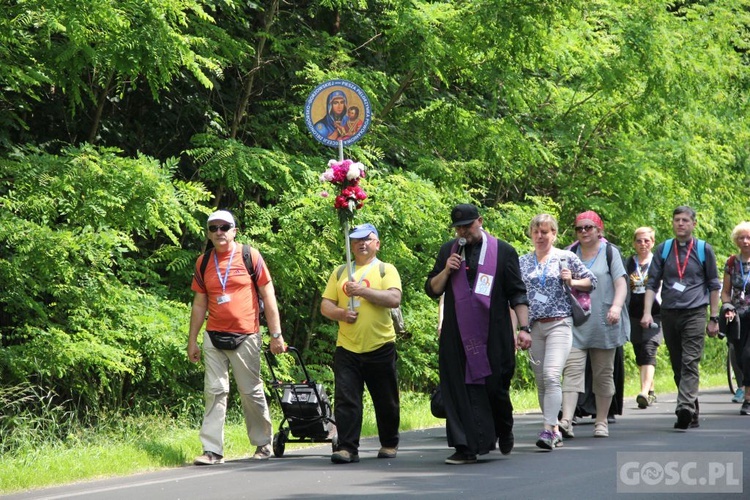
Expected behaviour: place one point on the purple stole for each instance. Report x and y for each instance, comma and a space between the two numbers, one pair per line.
473, 311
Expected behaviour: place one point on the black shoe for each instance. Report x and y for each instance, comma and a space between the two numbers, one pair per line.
642, 401
684, 418
506, 442
745, 409
461, 458
610, 419
694, 423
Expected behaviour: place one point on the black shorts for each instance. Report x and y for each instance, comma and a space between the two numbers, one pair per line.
645, 352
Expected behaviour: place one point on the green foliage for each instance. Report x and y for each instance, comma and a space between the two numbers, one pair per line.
628, 108
75, 316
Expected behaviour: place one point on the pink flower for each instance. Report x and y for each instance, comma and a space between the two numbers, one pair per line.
345, 175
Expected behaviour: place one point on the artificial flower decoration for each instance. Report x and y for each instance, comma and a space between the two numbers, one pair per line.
345, 175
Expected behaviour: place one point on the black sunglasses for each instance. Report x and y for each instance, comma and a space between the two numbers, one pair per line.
223, 227
580, 229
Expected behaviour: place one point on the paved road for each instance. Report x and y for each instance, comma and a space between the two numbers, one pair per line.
584, 468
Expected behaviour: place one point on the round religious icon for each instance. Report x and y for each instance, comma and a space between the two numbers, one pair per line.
337, 110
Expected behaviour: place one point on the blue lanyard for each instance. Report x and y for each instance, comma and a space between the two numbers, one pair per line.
590, 262
223, 281
543, 279
745, 278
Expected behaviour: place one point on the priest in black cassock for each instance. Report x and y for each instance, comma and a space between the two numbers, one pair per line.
481, 280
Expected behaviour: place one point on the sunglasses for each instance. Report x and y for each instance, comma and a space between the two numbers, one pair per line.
223, 227
581, 229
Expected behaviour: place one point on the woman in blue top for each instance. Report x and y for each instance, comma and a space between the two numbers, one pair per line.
545, 271
603, 333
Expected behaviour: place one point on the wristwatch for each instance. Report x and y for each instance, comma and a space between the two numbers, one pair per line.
715, 319
525, 329
275, 335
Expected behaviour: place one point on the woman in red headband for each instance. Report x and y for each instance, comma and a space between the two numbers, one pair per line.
604, 332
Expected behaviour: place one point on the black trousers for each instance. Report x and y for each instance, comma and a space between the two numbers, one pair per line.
376, 370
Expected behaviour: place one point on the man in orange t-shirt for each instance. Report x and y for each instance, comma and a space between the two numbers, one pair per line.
226, 291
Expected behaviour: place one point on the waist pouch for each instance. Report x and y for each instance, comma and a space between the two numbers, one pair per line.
226, 340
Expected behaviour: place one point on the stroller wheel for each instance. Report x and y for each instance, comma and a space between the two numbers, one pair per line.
279, 443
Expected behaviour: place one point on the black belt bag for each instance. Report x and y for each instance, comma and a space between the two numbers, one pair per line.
226, 340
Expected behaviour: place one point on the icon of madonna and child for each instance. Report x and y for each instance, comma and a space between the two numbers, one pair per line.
341, 121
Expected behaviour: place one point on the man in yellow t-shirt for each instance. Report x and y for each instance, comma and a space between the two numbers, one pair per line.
365, 348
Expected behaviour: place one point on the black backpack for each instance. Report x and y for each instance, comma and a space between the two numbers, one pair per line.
247, 258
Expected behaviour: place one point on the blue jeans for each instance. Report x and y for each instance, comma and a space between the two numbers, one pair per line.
685, 334
376, 369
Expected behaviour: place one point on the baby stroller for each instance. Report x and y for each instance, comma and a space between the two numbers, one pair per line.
306, 409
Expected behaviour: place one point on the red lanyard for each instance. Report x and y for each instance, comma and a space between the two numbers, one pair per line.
681, 272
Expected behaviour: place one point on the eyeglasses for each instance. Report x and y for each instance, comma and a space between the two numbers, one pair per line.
223, 227
581, 229
363, 240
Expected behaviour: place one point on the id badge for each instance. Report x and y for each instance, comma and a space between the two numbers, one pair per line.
679, 287
540, 297
355, 303
223, 299
640, 289
484, 284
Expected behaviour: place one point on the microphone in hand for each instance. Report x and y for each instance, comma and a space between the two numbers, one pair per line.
461, 245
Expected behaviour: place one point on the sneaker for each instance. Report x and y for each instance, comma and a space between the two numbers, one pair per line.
505, 443
651, 398
739, 396
694, 422
461, 458
262, 452
642, 401
546, 440
601, 430
684, 419
344, 457
209, 458
558, 442
745, 410
566, 428
387, 452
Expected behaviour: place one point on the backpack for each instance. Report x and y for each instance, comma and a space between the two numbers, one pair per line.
607, 251
250, 266
701, 251
396, 314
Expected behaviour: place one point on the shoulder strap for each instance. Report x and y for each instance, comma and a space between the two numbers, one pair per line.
204, 264
608, 251
666, 248
382, 269
702, 251
247, 257
340, 271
